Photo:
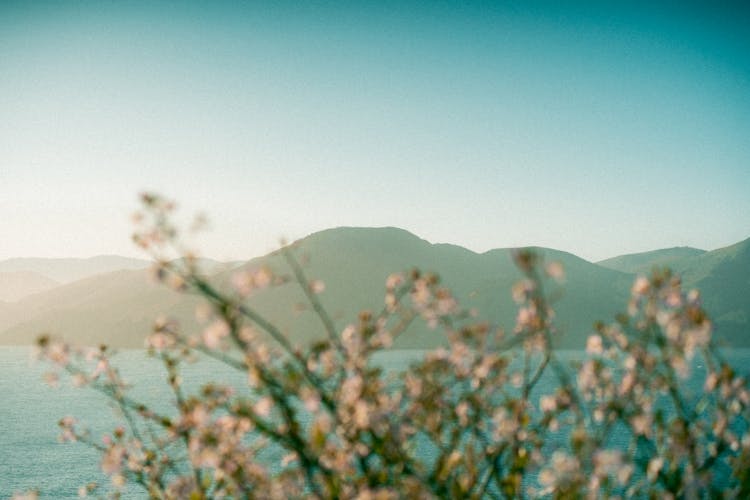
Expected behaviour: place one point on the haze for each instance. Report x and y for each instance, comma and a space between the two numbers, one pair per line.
594, 129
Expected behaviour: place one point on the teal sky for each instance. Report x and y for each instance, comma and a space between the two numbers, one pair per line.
598, 128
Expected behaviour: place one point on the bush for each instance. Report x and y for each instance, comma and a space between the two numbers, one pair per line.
469, 420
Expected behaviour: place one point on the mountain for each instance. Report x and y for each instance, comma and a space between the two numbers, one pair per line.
644, 262
118, 308
15, 285
723, 278
68, 270
355, 262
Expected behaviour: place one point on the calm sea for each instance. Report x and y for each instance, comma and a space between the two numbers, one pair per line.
31, 457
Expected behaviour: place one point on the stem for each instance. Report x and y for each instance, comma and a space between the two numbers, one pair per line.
312, 298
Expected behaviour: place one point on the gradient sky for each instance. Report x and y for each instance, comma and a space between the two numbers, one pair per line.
598, 128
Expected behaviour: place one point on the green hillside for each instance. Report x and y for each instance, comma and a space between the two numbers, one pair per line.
355, 262
644, 262
723, 277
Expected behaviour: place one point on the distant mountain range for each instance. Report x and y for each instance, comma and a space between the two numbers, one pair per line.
67, 270
117, 303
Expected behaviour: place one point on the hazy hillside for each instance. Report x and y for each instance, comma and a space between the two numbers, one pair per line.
67, 270
117, 308
5, 315
15, 285
644, 262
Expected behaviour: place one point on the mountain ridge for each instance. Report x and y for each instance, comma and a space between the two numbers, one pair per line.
643, 262
15, 285
120, 306
66, 270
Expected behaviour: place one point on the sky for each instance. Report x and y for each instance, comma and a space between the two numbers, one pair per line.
599, 128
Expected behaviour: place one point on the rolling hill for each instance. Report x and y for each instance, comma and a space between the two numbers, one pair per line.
722, 276
116, 308
644, 262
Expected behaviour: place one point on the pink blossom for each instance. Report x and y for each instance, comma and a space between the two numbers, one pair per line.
317, 286
594, 345
215, 333
640, 286
555, 271
263, 406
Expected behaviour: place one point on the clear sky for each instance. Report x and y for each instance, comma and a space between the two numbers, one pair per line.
598, 128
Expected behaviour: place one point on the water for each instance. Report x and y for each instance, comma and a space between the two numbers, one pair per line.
30, 455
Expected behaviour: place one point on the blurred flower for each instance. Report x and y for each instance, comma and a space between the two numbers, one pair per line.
215, 333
